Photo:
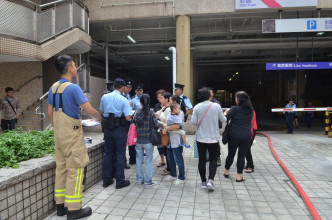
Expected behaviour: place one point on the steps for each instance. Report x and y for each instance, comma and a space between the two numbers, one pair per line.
29, 120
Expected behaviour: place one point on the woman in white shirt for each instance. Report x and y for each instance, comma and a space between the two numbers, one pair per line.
207, 134
162, 116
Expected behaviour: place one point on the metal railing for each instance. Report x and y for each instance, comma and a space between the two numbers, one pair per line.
27, 83
82, 80
44, 22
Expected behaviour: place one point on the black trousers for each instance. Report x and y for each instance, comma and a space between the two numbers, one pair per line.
167, 163
250, 162
214, 151
8, 124
132, 154
233, 145
289, 122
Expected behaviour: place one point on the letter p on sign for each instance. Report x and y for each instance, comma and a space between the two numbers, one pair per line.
312, 25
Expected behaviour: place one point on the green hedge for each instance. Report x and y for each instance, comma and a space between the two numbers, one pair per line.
17, 146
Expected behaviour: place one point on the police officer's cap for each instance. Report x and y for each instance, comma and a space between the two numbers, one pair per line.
110, 86
291, 99
120, 81
139, 87
178, 86
129, 83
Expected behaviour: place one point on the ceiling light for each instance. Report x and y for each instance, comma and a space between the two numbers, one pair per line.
131, 39
167, 58
320, 33
237, 73
230, 80
233, 75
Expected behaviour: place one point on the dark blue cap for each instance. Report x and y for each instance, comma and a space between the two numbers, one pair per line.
120, 81
178, 86
129, 83
139, 87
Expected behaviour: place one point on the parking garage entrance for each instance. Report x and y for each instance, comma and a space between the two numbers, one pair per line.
228, 52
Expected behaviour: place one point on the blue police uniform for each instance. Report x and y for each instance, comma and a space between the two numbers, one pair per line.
127, 97
115, 139
186, 102
290, 118
136, 103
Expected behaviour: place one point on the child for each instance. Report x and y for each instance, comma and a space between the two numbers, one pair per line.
175, 148
174, 118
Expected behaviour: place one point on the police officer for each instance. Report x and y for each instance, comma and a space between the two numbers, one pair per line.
116, 110
135, 99
71, 154
126, 93
185, 103
290, 116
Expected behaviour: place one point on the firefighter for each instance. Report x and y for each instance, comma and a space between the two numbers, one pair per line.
71, 154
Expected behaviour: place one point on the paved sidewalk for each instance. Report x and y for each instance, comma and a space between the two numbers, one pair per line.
266, 194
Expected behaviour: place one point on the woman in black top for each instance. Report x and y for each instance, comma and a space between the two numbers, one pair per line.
239, 133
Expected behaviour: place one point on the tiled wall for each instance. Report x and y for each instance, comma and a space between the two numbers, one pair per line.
19, 48
17, 74
32, 198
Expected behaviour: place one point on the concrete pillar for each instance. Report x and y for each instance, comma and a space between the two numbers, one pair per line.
184, 73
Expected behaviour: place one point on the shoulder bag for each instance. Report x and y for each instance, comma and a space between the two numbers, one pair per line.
12, 108
132, 133
225, 135
155, 134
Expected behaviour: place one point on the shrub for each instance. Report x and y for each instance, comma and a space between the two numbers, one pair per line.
17, 146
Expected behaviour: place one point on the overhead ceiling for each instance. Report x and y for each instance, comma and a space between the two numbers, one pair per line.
217, 40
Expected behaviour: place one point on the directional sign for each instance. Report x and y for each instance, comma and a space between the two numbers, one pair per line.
258, 4
297, 25
299, 66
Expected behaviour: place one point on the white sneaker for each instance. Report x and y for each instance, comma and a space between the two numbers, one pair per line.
210, 185
203, 185
170, 178
178, 182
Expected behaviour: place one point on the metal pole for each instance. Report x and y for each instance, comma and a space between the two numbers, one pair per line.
106, 62
42, 111
173, 49
327, 122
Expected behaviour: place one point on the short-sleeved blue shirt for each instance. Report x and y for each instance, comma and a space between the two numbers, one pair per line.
136, 103
72, 98
293, 106
186, 102
115, 103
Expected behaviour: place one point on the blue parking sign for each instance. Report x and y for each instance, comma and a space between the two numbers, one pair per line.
311, 25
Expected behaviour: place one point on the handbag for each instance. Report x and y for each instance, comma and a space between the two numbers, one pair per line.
225, 135
195, 138
155, 136
164, 139
132, 134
